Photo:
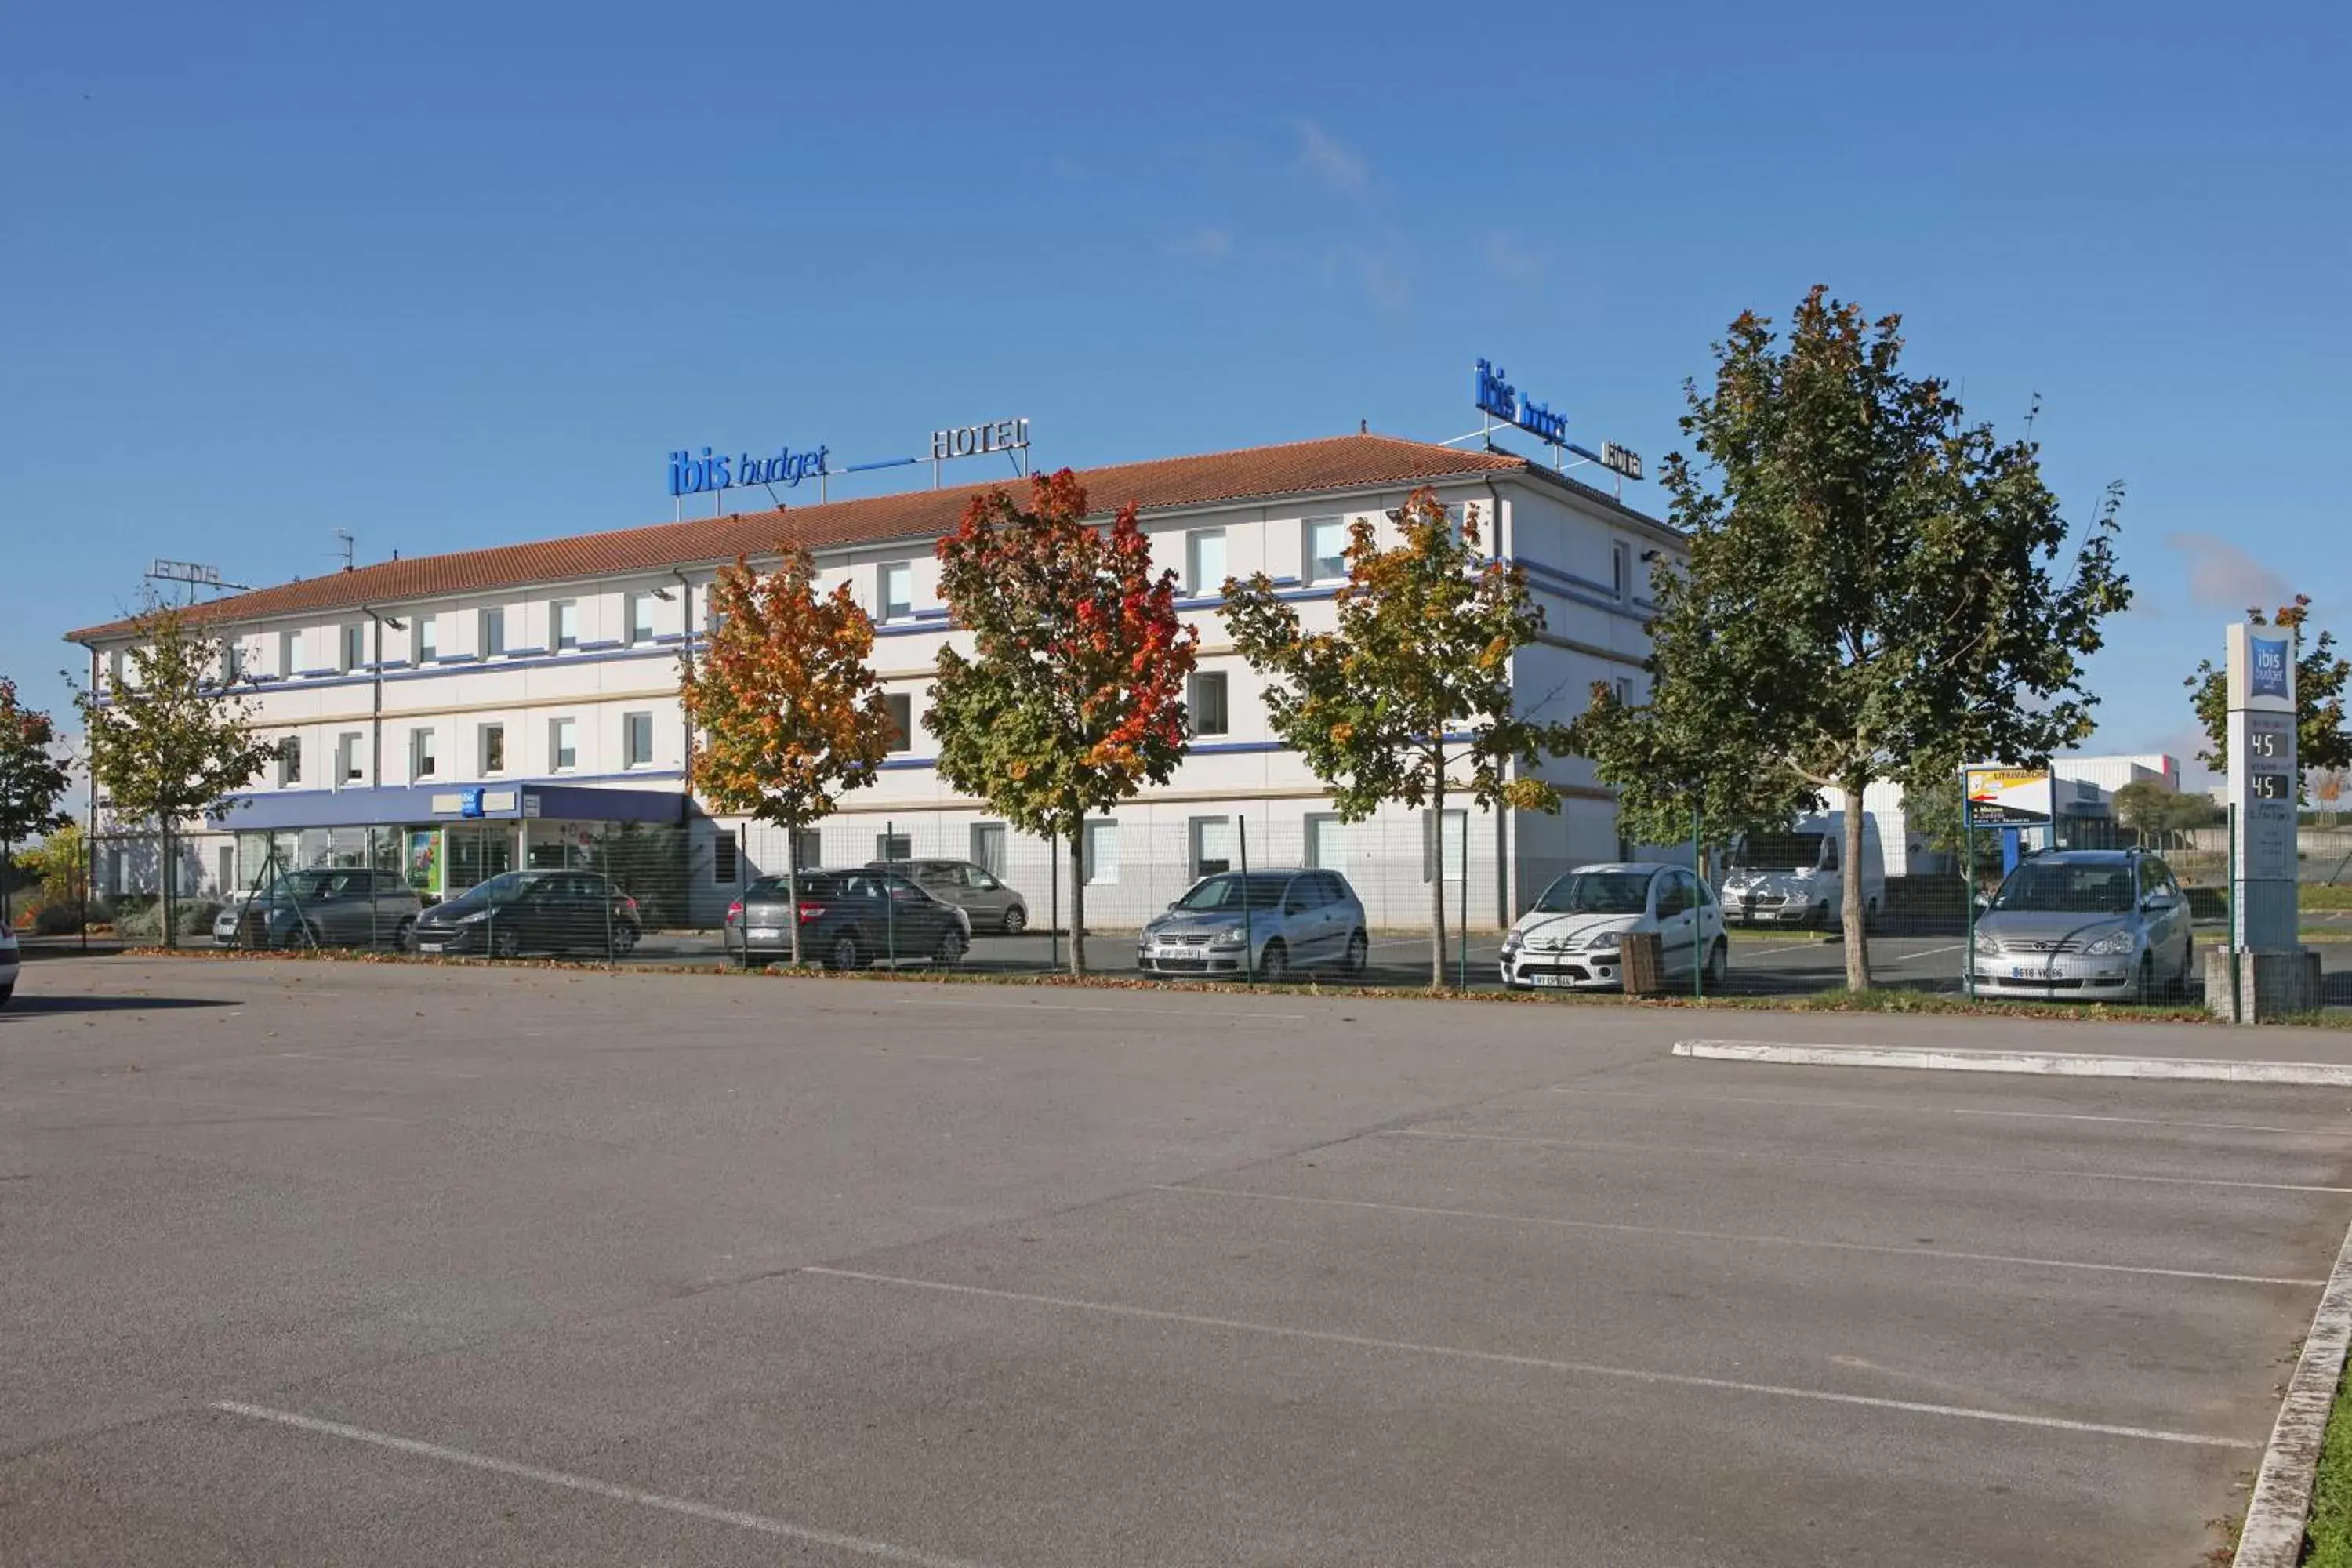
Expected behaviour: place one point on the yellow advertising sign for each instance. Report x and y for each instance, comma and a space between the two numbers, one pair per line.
2001, 796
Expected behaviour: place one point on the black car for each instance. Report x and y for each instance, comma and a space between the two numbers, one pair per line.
848, 919
533, 911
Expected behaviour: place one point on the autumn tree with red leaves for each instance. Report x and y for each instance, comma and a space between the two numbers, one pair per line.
787, 714
1074, 698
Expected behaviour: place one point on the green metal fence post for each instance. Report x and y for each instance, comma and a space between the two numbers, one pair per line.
1249, 923
890, 892
1462, 913
2237, 965
1699, 915
1968, 893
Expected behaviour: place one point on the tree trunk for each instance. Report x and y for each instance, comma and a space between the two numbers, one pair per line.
171, 932
1437, 882
1857, 935
791, 895
7, 872
1079, 897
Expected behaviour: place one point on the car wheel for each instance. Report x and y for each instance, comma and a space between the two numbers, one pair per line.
5, 992
507, 943
843, 954
1719, 963
2187, 971
624, 941
952, 946
1017, 921
404, 936
2143, 989
1360, 953
1274, 963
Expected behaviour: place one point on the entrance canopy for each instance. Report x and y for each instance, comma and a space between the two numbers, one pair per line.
421, 804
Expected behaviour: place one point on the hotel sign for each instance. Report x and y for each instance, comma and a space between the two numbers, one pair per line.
693, 475
980, 440
1497, 396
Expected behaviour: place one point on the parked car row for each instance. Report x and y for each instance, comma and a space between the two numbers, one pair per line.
509, 916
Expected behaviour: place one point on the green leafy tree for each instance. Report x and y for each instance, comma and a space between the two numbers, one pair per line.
787, 715
1408, 698
174, 739
1074, 697
2322, 742
1873, 582
62, 862
2155, 810
32, 782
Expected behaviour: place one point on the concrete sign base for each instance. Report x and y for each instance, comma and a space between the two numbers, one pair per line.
2271, 985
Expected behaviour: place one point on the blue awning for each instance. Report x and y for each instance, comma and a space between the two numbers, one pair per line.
418, 804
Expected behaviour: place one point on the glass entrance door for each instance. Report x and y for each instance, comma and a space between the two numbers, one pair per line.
476, 854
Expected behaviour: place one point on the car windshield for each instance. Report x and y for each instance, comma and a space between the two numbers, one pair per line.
1597, 893
1777, 852
2078, 889
1230, 890
498, 891
302, 887
813, 885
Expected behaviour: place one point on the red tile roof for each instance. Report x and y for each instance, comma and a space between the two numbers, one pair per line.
1338, 463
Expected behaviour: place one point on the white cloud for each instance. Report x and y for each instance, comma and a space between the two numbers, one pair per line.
1322, 156
2223, 576
1509, 259
1207, 243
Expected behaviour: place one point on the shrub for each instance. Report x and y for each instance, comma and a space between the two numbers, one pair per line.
145, 922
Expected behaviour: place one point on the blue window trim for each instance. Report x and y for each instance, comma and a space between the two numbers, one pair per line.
524, 653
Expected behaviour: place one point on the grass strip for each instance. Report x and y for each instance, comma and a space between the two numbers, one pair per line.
2328, 1538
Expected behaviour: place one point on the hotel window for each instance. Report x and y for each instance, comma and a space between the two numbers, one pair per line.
347, 756
636, 740
1441, 845
566, 616
233, 660
290, 653
898, 596
1326, 549
1101, 850
1215, 844
289, 761
1327, 842
1621, 571
714, 619
114, 670
808, 850
494, 633
1625, 690
894, 847
1206, 703
428, 638
494, 749
1204, 560
902, 720
723, 858
641, 618
422, 761
354, 648
562, 745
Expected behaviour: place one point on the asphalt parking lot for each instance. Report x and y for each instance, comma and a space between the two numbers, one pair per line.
313, 1263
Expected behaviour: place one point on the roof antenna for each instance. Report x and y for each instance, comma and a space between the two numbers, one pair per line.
350, 543
1363, 427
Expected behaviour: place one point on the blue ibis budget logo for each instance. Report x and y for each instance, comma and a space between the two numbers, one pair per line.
691, 475
2268, 676
1496, 395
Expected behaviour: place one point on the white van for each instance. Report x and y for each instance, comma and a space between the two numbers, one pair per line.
1793, 878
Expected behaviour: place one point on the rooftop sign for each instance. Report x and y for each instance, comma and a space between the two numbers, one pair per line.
691, 475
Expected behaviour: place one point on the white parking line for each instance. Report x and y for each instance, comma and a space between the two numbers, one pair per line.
1541, 1363
1949, 1111
1623, 1229
1929, 953
758, 1523
1685, 1149
1079, 1007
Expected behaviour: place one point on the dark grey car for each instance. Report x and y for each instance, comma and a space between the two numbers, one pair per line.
977, 891
2086, 924
325, 907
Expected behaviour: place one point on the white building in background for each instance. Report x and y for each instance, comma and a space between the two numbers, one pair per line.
2085, 790
465, 714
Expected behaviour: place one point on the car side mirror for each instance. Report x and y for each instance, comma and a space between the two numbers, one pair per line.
2158, 900
1982, 903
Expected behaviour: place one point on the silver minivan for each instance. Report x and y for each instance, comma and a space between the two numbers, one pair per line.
1273, 923
2086, 924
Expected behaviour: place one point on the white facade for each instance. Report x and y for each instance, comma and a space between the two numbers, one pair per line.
392, 713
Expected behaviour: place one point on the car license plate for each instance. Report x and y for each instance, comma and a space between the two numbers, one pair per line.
1541, 979
431, 946
2027, 972
766, 934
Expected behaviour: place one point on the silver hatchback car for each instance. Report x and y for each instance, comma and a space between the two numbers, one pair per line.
1274, 925
2087, 925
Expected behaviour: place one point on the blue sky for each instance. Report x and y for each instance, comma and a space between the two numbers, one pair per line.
453, 275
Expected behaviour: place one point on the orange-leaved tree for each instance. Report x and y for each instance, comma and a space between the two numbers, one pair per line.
787, 714
1074, 697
